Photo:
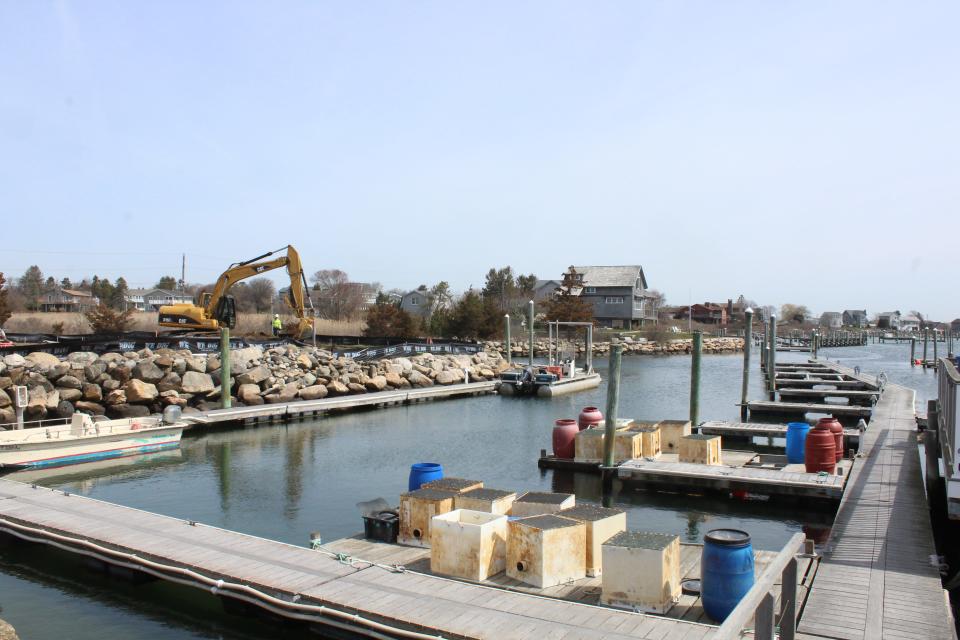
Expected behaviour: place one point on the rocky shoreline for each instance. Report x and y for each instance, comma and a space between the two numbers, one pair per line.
631, 346
139, 383
7, 632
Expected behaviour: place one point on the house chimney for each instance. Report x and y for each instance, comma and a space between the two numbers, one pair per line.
730, 309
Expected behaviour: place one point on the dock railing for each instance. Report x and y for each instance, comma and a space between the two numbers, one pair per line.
949, 383
758, 604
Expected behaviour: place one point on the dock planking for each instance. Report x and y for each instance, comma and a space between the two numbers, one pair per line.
875, 580
820, 394
758, 430
801, 408
296, 581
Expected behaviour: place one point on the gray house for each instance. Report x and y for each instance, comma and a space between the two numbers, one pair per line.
855, 318
416, 302
888, 320
618, 294
544, 289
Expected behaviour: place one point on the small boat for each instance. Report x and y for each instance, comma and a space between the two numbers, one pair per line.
83, 439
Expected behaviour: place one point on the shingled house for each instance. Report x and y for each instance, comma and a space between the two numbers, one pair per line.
619, 295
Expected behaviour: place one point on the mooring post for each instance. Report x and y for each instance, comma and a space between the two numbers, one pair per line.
225, 367
695, 379
931, 451
506, 337
934, 349
613, 400
530, 322
772, 360
763, 348
926, 338
913, 351
747, 337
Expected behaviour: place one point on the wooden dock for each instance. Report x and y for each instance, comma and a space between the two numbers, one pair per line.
356, 597
306, 408
801, 408
745, 430
876, 580
868, 397
809, 383
791, 480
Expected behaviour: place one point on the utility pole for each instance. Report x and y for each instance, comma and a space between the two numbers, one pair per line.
183, 273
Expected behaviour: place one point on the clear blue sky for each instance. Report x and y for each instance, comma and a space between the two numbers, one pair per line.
802, 152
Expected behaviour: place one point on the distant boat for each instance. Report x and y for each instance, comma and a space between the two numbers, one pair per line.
82, 439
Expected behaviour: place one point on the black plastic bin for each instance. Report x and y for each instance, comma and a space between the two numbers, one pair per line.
382, 526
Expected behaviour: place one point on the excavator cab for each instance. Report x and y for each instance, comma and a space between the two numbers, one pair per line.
226, 312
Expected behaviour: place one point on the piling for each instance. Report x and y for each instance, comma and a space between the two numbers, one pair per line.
772, 359
931, 450
747, 338
530, 322
695, 378
934, 348
506, 338
225, 367
913, 351
926, 336
613, 400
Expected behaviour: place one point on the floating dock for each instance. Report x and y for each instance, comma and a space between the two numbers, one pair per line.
748, 430
801, 408
876, 580
853, 397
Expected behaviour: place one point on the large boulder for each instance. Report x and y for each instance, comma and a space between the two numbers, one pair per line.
337, 388
255, 375
64, 409
171, 381
314, 392
115, 397
305, 362
417, 379
43, 360
69, 382
148, 372
7, 415
394, 380
249, 394
82, 357
58, 370
196, 382
196, 364
243, 357
93, 371
5, 400
92, 408
53, 399
139, 391
449, 376
128, 411
70, 395
14, 360
36, 404
376, 383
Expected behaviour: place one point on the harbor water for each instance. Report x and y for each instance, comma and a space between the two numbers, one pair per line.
285, 481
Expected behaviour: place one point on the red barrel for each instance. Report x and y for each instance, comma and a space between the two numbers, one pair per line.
589, 417
820, 452
564, 434
837, 429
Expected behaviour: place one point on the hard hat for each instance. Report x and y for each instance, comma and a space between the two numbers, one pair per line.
276, 315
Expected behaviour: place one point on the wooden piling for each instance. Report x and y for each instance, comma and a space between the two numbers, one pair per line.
225, 367
772, 358
931, 450
695, 378
747, 339
613, 400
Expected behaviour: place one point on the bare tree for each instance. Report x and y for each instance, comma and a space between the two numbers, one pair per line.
335, 297
261, 292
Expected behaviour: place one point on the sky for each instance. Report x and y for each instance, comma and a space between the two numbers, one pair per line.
793, 152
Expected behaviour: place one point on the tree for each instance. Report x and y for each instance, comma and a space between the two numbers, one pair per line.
388, 320
657, 298
567, 305
335, 297
118, 298
66, 284
167, 282
4, 305
50, 285
103, 319
31, 285
474, 316
501, 287
261, 293
794, 313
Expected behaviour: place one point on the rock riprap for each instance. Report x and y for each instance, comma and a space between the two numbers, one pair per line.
133, 384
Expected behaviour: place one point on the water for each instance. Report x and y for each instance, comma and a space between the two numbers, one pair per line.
285, 481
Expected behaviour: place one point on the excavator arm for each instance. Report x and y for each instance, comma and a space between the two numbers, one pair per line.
241, 271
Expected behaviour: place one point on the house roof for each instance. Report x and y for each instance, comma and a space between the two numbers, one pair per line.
860, 312
612, 276
830, 314
77, 293
542, 283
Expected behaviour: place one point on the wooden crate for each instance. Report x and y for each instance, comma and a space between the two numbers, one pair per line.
602, 524
588, 445
457, 485
700, 449
488, 500
535, 503
417, 508
649, 435
671, 431
627, 445
544, 551
642, 571
468, 544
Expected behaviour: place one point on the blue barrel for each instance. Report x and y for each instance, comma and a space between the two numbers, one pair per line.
796, 441
726, 571
423, 472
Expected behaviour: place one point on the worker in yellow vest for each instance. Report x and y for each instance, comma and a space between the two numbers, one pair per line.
277, 325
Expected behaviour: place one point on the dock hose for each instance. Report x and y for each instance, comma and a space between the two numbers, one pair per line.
232, 589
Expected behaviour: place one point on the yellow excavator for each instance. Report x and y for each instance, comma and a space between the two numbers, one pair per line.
216, 309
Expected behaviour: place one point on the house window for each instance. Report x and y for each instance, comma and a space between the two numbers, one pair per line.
614, 300
414, 300
638, 305
591, 290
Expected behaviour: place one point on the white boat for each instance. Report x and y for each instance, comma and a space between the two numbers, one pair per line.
82, 439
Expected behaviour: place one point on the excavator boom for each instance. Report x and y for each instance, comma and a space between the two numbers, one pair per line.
191, 316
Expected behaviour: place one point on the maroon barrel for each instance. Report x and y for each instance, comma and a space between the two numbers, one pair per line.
564, 438
837, 430
589, 417
820, 452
